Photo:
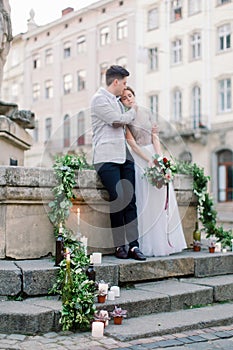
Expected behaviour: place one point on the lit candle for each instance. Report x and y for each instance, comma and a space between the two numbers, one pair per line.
78, 216
103, 287
97, 329
111, 295
97, 258
116, 291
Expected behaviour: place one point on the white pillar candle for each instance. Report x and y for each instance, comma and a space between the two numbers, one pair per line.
116, 291
97, 329
218, 247
103, 287
111, 295
224, 250
97, 258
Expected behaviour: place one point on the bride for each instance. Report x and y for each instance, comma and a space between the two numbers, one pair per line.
159, 225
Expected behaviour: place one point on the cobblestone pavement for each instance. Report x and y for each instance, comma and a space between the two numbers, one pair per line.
208, 339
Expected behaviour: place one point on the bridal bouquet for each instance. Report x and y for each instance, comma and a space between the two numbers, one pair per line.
160, 173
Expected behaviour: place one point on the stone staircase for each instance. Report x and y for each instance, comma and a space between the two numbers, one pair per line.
162, 295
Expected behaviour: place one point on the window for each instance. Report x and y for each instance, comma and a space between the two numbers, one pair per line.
103, 68
81, 129
48, 89
81, 80
224, 95
153, 58
36, 61
66, 130
48, 56
177, 51
196, 46
36, 92
122, 30
176, 10
194, 6
81, 44
196, 106
177, 105
154, 106
48, 128
67, 49
122, 61
104, 36
152, 19
224, 37
67, 83
225, 176
221, 2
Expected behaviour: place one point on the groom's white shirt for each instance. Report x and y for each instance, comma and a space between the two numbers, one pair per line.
109, 144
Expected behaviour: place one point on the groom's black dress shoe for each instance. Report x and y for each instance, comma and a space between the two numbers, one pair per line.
121, 253
136, 254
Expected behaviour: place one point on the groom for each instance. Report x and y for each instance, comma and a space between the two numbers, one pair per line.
113, 162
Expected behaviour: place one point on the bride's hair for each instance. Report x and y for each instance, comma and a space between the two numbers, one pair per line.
130, 89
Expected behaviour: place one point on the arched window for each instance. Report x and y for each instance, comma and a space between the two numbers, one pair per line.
196, 106
225, 176
66, 130
81, 129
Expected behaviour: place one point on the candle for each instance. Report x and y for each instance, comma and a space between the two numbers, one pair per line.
116, 291
103, 287
97, 258
224, 250
218, 247
111, 295
97, 329
78, 216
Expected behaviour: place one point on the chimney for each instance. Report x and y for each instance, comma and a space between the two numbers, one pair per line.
67, 10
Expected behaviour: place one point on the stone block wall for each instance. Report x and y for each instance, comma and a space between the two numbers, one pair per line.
25, 230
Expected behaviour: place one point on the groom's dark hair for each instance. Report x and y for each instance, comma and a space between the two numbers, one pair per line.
115, 72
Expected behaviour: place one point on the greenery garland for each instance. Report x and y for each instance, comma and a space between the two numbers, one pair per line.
206, 212
77, 310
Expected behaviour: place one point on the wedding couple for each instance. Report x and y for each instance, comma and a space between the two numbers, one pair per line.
117, 122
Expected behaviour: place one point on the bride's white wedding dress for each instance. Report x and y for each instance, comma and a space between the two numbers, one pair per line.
160, 229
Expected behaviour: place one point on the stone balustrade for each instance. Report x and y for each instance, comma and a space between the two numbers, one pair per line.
25, 230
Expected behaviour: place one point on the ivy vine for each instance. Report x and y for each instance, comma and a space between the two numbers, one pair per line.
206, 212
77, 310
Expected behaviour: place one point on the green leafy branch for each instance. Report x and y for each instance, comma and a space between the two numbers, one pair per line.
206, 212
78, 302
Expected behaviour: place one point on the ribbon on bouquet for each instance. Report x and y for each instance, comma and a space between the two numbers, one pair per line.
167, 209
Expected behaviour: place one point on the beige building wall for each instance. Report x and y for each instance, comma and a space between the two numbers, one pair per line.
170, 21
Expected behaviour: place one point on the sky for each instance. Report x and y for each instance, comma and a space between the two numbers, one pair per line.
46, 11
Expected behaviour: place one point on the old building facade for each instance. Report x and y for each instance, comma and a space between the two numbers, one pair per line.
179, 54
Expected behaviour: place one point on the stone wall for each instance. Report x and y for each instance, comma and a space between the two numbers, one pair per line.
25, 230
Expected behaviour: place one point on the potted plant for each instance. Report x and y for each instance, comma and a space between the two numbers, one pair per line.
196, 246
101, 295
118, 313
102, 316
212, 245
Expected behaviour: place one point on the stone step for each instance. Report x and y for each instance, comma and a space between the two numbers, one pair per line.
170, 323
36, 277
35, 315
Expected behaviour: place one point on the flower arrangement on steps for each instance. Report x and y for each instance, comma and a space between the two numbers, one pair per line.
78, 308
118, 314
